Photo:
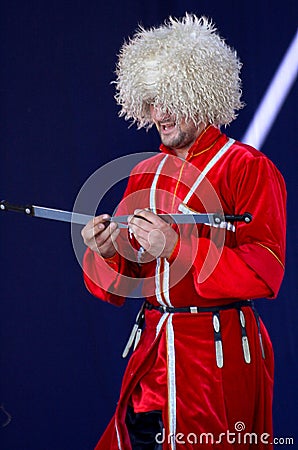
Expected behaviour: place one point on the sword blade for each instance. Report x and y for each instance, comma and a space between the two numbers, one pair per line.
67, 216
188, 218
179, 218
49, 213
83, 219
182, 218
58, 214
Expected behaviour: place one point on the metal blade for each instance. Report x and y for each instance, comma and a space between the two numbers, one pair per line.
50, 213
187, 218
58, 214
66, 216
179, 218
83, 219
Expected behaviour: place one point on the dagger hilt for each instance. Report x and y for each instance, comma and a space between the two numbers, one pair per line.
6, 206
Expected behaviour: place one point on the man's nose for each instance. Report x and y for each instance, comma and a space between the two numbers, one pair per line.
159, 115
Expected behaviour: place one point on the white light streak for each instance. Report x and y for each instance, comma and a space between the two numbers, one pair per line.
274, 97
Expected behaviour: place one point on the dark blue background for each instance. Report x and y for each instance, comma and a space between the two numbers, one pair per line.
61, 363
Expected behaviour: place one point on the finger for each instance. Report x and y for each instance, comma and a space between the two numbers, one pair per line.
157, 242
154, 236
93, 223
104, 241
99, 232
137, 226
103, 218
153, 242
110, 242
141, 221
143, 242
149, 216
102, 236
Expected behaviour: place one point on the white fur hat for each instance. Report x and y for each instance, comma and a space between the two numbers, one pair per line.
185, 68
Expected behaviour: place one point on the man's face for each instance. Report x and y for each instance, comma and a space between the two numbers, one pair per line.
175, 135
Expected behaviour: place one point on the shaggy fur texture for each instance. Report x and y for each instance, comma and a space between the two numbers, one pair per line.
185, 68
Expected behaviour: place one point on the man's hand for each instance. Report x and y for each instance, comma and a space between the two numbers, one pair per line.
99, 237
155, 235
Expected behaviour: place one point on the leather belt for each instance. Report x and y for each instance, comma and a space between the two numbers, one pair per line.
198, 309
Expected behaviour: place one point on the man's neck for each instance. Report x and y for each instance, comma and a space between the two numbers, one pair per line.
182, 153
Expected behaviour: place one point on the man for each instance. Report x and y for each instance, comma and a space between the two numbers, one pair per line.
202, 371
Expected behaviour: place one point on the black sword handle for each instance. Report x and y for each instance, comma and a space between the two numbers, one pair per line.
246, 217
218, 218
6, 206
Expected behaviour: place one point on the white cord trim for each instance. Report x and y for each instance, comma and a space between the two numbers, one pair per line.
208, 167
157, 283
171, 383
154, 183
166, 282
160, 323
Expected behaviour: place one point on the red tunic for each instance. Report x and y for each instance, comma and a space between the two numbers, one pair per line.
174, 366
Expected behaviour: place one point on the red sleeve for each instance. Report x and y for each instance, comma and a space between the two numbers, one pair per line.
110, 279
255, 266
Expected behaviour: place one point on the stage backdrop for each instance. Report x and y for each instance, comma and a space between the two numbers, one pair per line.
61, 364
